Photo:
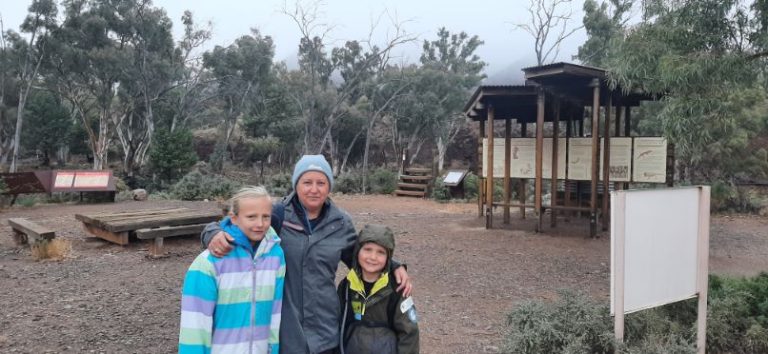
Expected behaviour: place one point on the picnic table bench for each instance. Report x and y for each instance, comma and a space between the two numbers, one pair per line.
153, 224
25, 231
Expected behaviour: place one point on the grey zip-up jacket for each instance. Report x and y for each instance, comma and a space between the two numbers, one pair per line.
311, 311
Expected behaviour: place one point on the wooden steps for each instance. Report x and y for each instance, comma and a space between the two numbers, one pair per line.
415, 182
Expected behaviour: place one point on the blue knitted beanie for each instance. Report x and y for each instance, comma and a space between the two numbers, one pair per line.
312, 163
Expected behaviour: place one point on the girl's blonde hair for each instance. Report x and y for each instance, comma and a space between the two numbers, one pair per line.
254, 192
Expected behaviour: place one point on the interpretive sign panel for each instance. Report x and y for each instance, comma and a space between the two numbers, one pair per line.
453, 178
649, 160
621, 159
74, 181
580, 159
546, 170
523, 163
498, 158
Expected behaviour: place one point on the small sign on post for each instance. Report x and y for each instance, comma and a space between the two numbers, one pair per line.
454, 180
659, 252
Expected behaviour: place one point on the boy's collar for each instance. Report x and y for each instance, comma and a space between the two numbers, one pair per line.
356, 282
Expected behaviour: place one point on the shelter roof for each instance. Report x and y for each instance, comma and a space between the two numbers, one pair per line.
571, 83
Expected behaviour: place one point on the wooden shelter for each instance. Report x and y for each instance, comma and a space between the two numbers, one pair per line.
554, 93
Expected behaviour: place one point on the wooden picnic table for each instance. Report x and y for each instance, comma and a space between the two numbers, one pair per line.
154, 224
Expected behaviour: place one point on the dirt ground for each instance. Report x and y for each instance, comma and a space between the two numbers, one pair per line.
106, 298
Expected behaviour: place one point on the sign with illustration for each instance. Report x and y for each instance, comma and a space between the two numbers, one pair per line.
650, 160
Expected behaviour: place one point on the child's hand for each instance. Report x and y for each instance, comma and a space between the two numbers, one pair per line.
220, 244
403, 280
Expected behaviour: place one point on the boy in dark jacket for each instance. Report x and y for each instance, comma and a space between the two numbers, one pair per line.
376, 319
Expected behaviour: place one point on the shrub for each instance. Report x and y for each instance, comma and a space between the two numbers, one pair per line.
350, 182
471, 185
737, 323
279, 184
729, 197
27, 201
196, 186
574, 324
440, 191
382, 181
738, 315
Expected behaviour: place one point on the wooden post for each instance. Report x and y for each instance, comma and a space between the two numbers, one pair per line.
480, 162
523, 181
489, 169
605, 215
566, 183
507, 163
627, 121
595, 156
627, 133
539, 155
156, 247
553, 179
703, 259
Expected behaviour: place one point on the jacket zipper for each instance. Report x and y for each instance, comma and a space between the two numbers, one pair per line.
253, 305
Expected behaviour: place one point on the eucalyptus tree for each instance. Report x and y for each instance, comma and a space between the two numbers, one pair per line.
8, 94
708, 58
604, 22
549, 26
450, 70
151, 72
189, 97
335, 81
242, 71
30, 52
92, 56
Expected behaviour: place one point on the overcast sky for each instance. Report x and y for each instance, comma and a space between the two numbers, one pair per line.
492, 20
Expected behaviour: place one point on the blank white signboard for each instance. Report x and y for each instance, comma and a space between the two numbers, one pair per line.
453, 177
661, 230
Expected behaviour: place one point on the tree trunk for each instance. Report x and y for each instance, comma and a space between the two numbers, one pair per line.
17, 133
441, 149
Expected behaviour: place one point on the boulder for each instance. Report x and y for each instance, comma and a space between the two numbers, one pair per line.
140, 194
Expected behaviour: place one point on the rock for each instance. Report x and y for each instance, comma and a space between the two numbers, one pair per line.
764, 211
140, 194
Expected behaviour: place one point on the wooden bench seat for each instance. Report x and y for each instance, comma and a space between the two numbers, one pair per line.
25, 231
160, 233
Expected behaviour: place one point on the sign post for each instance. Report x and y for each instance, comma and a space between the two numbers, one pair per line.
659, 252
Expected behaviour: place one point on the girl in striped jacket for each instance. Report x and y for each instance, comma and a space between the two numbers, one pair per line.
232, 304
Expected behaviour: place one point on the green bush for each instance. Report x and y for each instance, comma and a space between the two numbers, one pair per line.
471, 185
727, 197
197, 186
737, 323
350, 182
279, 184
440, 191
382, 181
27, 201
574, 324
738, 315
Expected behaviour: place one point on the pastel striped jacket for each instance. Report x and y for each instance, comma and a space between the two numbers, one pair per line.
233, 304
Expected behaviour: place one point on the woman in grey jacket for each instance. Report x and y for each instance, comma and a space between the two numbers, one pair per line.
316, 235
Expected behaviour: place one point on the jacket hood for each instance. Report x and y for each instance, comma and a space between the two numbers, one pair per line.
380, 235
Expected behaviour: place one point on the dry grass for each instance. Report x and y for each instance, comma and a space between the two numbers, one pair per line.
55, 249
